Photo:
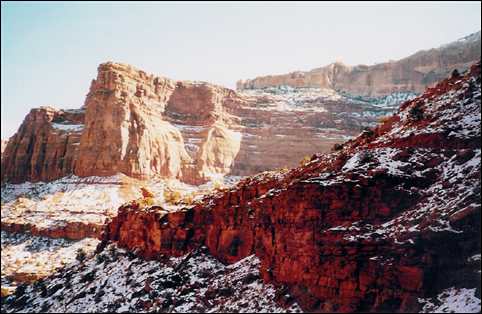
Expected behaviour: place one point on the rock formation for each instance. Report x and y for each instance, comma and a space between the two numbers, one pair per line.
45, 147
3, 145
413, 73
385, 219
146, 126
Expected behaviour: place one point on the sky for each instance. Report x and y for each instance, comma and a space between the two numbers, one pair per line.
50, 51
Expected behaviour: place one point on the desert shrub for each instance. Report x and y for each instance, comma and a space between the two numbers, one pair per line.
455, 73
188, 199
80, 255
172, 196
305, 160
100, 258
283, 170
366, 157
5, 292
112, 251
88, 277
40, 285
146, 193
20, 290
218, 185
367, 132
384, 119
416, 112
146, 201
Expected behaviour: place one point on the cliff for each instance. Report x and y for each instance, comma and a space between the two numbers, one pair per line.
413, 73
45, 147
146, 126
382, 222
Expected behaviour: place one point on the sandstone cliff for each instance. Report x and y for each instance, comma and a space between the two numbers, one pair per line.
146, 126
45, 147
413, 73
2, 147
386, 219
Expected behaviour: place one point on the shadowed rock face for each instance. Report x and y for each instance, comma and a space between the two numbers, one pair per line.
413, 73
387, 218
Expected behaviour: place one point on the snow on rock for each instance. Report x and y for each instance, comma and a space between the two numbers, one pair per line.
453, 300
88, 201
116, 280
27, 258
68, 127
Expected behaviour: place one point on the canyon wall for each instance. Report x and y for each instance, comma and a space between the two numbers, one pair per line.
146, 126
45, 147
385, 219
413, 73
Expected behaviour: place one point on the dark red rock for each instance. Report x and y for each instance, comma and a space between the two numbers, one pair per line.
313, 228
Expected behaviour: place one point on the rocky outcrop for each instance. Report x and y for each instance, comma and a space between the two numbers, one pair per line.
146, 126
3, 146
70, 230
385, 219
45, 147
413, 73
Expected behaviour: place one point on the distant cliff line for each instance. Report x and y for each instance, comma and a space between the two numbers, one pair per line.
410, 74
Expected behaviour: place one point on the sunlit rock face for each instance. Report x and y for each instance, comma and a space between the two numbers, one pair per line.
387, 222
45, 147
146, 126
411, 74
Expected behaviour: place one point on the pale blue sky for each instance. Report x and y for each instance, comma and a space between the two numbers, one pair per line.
50, 51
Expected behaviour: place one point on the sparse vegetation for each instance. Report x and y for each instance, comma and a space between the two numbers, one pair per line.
146, 193
146, 202
366, 157
172, 196
218, 185
367, 132
384, 119
283, 170
80, 255
188, 199
455, 73
305, 160
100, 258
416, 112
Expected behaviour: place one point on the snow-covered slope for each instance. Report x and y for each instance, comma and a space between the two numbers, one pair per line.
117, 281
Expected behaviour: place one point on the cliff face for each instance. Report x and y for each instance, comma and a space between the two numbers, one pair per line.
45, 147
390, 217
146, 126
413, 73
122, 109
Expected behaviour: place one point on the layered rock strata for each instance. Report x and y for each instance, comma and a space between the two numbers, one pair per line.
146, 126
387, 218
45, 147
413, 73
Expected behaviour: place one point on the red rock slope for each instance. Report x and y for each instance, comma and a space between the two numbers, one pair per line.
385, 219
